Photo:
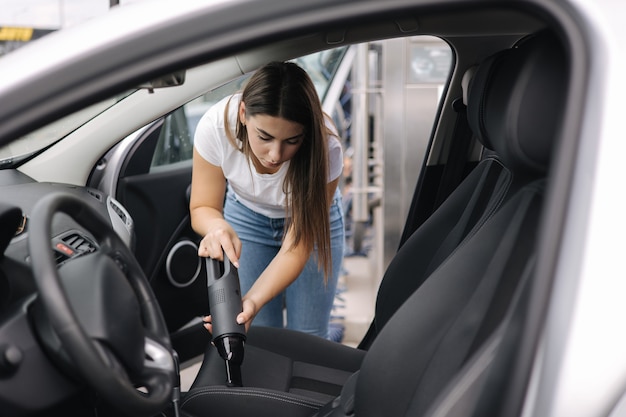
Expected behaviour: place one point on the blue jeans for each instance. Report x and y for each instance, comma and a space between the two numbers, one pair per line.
307, 301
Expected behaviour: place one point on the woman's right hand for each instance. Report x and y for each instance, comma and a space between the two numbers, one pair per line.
245, 317
221, 238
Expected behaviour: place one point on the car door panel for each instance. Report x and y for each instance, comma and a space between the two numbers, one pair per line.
153, 184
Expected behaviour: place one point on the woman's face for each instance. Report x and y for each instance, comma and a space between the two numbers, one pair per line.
273, 140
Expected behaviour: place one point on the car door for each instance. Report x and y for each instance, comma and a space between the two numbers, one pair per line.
152, 182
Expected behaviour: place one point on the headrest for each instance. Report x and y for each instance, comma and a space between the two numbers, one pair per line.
465, 82
515, 102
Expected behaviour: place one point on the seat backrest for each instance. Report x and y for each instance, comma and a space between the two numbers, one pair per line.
448, 317
461, 215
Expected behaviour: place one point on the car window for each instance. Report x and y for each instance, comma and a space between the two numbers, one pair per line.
175, 142
357, 107
32, 143
322, 67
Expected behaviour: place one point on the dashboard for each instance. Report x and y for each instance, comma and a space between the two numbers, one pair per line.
32, 354
68, 238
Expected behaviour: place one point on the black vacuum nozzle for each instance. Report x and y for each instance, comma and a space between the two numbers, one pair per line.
225, 305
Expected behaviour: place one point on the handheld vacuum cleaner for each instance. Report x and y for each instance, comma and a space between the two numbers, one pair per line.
225, 304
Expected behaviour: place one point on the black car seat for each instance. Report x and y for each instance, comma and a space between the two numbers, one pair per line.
439, 322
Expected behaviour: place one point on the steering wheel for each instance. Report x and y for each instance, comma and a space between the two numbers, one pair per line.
103, 312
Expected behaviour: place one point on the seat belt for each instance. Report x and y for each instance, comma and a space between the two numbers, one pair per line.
452, 175
454, 170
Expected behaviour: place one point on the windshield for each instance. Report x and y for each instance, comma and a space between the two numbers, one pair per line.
321, 66
21, 149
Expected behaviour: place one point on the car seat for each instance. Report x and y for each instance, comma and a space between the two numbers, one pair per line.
448, 286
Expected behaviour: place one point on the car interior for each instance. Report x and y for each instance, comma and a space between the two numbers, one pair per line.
450, 335
478, 242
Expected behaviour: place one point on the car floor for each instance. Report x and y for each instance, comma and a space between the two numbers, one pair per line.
352, 314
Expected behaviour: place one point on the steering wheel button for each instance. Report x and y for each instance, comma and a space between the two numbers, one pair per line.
10, 358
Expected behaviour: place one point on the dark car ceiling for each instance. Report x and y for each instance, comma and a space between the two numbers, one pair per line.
449, 25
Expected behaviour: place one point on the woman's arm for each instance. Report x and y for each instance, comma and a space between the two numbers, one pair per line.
208, 187
282, 271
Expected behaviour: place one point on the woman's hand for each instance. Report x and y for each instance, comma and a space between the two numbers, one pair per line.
219, 239
245, 317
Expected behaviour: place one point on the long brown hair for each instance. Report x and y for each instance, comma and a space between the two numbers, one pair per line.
283, 89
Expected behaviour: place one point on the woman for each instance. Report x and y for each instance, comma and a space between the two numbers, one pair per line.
270, 152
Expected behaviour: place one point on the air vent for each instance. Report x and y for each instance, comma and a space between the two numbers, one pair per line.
71, 245
59, 257
79, 243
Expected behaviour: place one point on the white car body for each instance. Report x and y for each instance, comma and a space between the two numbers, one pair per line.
579, 367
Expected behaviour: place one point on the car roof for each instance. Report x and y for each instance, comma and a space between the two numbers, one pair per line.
152, 38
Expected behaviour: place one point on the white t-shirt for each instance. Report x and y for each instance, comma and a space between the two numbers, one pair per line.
262, 193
